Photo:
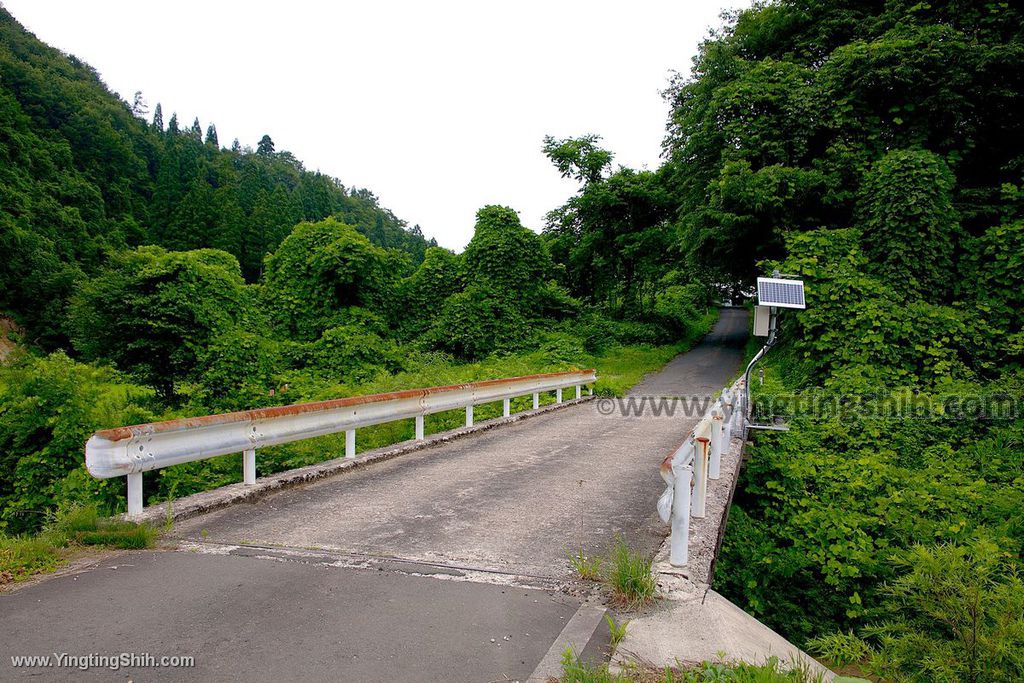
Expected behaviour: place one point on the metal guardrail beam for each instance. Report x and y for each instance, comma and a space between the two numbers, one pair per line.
130, 451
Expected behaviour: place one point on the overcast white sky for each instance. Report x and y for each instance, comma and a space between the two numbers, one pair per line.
437, 107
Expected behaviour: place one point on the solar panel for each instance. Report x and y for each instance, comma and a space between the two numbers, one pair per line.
780, 293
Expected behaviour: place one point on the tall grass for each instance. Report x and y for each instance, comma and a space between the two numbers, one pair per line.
630, 577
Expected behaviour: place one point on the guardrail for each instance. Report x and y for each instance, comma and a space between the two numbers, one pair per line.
130, 451
687, 469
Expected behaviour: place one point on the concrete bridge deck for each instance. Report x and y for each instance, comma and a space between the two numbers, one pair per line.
280, 588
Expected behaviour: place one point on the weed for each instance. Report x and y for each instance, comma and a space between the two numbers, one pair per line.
22, 556
630, 577
617, 630
574, 670
586, 567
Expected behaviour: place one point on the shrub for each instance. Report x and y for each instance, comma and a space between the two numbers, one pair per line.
478, 322
48, 408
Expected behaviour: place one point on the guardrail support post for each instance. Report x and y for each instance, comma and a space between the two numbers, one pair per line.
419, 428
590, 390
135, 494
730, 412
350, 443
715, 464
558, 395
579, 391
469, 415
536, 400
700, 477
679, 550
506, 407
249, 466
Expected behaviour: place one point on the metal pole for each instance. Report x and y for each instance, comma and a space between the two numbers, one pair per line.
536, 400
469, 415
135, 494
558, 395
772, 326
249, 467
506, 407
419, 428
350, 443
579, 390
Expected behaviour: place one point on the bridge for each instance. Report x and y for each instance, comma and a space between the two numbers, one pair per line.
443, 559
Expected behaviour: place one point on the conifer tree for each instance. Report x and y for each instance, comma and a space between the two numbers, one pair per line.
158, 118
265, 146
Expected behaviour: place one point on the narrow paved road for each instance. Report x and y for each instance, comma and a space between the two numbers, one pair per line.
493, 515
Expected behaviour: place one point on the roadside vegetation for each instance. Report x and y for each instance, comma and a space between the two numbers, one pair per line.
772, 671
65, 535
626, 573
869, 151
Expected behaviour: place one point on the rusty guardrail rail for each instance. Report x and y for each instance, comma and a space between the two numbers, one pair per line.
130, 451
687, 469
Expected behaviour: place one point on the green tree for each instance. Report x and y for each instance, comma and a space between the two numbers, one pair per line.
319, 273
578, 158
152, 313
505, 256
265, 146
49, 406
158, 118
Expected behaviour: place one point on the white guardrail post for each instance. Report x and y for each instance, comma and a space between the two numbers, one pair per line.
249, 466
717, 439
700, 476
130, 451
674, 504
687, 471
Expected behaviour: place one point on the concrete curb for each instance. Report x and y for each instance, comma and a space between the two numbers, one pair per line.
575, 636
214, 499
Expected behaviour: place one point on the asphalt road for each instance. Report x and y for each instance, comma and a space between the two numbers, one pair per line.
400, 571
253, 619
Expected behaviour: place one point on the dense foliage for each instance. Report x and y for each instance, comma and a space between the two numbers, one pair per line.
870, 149
84, 174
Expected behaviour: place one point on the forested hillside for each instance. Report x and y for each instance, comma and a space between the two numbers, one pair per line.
156, 274
85, 174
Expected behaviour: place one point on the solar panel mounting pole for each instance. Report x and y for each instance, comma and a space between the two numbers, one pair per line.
772, 293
